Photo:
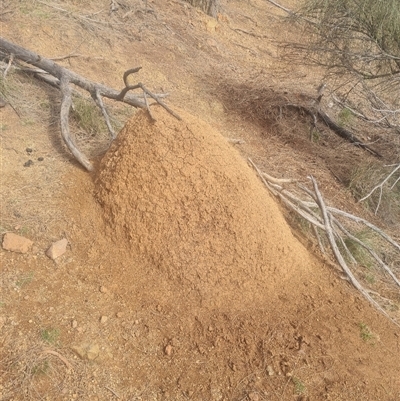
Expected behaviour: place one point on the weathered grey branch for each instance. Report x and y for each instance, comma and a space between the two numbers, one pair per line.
62, 78
338, 255
66, 104
312, 211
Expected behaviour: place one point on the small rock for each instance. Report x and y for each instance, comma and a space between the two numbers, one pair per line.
29, 150
211, 25
40, 159
2, 102
103, 289
28, 163
2, 321
80, 350
103, 319
57, 249
87, 351
93, 352
120, 314
254, 396
270, 370
15, 243
168, 350
74, 324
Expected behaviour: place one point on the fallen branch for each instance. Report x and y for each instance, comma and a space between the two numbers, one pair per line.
316, 113
335, 249
63, 79
323, 220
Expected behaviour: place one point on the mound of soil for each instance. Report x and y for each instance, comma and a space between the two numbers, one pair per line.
187, 204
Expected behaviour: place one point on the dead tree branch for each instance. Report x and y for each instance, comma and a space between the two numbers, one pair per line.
63, 79
317, 114
324, 220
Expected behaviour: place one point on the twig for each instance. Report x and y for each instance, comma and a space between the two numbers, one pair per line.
236, 141
10, 61
278, 180
66, 104
100, 103
365, 222
339, 256
370, 251
112, 391
128, 88
68, 56
58, 355
321, 245
281, 7
380, 187
148, 107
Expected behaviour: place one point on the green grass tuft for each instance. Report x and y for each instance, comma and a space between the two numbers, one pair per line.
50, 335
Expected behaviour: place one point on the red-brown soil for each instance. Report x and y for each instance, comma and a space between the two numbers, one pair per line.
182, 277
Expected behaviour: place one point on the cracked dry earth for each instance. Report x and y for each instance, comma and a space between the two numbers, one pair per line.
182, 280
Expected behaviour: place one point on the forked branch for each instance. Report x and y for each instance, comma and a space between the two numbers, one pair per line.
64, 79
324, 220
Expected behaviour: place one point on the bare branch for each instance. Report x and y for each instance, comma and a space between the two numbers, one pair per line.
66, 104
10, 61
338, 255
100, 103
380, 187
332, 228
62, 78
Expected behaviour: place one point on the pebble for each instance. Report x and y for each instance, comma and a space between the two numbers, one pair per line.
87, 351
270, 370
15, 243
28, 163
74, 324
103, 319
57, 249
120, 314
168, 350
254, 396
103, 289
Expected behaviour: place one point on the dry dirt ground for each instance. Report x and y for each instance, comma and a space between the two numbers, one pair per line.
182, 280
